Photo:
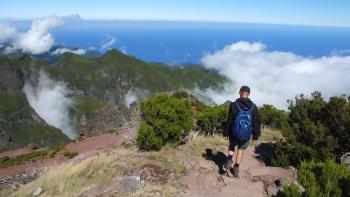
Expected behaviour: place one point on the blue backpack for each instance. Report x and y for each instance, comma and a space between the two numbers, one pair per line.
243, 124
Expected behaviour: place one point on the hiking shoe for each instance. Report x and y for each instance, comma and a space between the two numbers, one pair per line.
235, 171
228, 165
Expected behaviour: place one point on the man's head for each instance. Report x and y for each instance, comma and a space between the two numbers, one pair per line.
244, 92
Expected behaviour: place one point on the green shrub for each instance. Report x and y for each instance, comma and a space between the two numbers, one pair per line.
324, 179
70, 155
21, 159
273, 117
195, 104
292, 154
209, 121
319, 130
290, 190
164, 120
147, 138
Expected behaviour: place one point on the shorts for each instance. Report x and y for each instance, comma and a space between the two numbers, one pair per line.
241, 145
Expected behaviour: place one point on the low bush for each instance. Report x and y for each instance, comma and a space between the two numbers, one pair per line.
20, 159
292, 154
273, 117
70, 155
210, 120
324, 179
290, 190
165, 119
319, 130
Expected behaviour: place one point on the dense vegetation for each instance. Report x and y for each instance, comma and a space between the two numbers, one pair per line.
317, 133
324, 178
168, 117
319, 130
210, 120
165, 119
273, 117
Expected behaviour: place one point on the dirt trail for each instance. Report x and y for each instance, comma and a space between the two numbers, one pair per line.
203, 175
84, 148
206, 177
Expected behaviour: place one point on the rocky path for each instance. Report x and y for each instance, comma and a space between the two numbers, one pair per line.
205, 177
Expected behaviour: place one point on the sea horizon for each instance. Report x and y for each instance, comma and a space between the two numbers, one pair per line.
186, 42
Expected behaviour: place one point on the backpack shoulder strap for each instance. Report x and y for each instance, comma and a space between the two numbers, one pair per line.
238, 106
251, 108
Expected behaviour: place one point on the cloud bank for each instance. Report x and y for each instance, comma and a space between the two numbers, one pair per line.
108, 44
276, 76
60, 51
38, 38
49, 99
7, 33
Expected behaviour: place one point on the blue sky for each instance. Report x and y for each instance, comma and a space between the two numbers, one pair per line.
302, 12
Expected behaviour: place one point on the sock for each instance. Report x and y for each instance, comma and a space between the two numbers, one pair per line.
236, 165
229, 157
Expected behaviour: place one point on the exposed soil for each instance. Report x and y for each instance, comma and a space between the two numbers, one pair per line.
84, 148
153, 174
206, 178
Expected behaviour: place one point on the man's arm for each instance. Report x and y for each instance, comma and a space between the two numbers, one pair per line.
229, 121
256, 124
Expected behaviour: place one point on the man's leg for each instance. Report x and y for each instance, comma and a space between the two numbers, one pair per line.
230, 154
239, 156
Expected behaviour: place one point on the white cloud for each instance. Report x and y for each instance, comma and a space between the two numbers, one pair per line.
129, 98
49, 99
7, 33
340, 52
108, 44
276, 76
134, 95
123, 50
60, 51
38, 38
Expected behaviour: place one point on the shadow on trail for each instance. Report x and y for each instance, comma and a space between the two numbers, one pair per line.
219, 158
264, 153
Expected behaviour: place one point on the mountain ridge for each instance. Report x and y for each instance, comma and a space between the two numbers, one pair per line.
100, 85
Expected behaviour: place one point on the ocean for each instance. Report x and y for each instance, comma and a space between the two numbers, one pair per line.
186, 42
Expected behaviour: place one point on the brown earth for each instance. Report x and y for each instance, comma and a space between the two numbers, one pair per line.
256, 179
84, 148
193, 169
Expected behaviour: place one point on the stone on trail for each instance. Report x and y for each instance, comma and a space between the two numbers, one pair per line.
38, 191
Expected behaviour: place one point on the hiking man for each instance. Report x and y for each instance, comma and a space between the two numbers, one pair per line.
242, 124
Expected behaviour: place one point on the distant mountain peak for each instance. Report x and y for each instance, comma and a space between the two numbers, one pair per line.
114, 52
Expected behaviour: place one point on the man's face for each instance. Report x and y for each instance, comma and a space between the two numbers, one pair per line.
244, 94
